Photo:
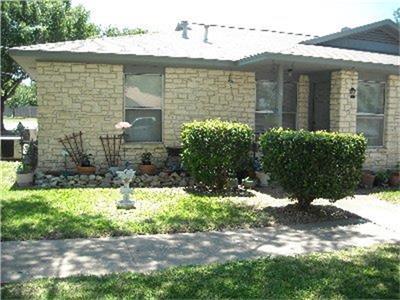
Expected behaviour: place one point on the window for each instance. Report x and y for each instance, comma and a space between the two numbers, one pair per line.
370, 111
143, 98
267, 111
266, 106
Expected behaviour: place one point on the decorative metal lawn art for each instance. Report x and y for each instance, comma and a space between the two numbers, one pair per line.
112, 147
73, 146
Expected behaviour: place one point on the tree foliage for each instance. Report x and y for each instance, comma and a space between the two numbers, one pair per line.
24, 95
111, 31
396, 15
311, 165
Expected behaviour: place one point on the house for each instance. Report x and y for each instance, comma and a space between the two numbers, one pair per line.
346, 81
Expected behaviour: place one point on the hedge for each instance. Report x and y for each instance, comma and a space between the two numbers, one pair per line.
214, 150
311, 165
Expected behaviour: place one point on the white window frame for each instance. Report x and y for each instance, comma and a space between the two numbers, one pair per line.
375, 116
147, 108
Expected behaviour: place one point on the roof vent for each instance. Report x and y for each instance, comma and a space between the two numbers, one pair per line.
206, 33
345, 29
184, 27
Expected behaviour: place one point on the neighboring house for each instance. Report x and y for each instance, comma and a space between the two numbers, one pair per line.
347, 82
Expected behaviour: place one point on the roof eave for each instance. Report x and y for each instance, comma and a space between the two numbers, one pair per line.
334, 63
112, 58
341, 34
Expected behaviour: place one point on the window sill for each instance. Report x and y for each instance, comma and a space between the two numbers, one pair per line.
376, 148
141, 143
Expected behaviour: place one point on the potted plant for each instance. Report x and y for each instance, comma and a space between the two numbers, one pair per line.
86, 166
394, 179
382, 178
28, 164
146, 167
367, 179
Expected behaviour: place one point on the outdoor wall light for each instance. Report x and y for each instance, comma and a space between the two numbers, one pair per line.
290, 72
230, 81
352, 93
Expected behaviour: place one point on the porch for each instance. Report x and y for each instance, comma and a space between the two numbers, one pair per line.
314, 98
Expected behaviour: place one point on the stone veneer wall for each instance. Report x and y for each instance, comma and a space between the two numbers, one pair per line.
199, 94
303, 93
343, 108
75, 97
344, 112
388, 156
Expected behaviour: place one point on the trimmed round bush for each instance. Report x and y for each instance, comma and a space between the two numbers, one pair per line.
311, 165
214, 150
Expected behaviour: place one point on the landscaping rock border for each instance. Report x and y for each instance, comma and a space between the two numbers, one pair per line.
163, 179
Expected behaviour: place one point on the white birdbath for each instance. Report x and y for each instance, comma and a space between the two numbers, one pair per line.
126, 176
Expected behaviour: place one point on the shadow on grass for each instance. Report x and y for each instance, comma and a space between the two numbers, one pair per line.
358, 274
203, 192
194, 213
33, 218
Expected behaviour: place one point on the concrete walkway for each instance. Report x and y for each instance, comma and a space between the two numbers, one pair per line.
370, 208
62, 258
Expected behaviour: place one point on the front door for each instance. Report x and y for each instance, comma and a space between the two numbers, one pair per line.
320, 106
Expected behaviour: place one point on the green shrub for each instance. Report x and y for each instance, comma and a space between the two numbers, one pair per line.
311, 165
215, 150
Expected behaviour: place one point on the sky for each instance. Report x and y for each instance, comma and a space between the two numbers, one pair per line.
305, 16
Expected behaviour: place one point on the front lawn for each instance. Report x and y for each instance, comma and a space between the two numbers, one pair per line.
59, 213
392, 196
356, 273
86, 212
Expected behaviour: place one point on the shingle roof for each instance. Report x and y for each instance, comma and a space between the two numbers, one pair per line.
224, 43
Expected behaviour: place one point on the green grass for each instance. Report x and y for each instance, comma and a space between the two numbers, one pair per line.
91, 212
392, 196
356, 273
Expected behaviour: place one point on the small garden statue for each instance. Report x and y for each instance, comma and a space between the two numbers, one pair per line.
126, 176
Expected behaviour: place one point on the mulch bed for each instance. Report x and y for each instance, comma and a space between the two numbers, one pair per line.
291, 214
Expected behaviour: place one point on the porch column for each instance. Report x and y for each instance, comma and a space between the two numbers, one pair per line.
303, 93
392, 121
343, 108
280, 93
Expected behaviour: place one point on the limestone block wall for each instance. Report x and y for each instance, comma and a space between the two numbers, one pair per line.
388, 156
199, 94
343, 109
303, 93
75, 97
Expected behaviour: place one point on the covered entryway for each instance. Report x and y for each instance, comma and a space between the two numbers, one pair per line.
319, 117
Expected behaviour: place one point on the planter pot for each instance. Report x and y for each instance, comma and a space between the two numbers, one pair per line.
367, 179
262, 178
86, 170
148, 169
24, 179
394, 179
248, 183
